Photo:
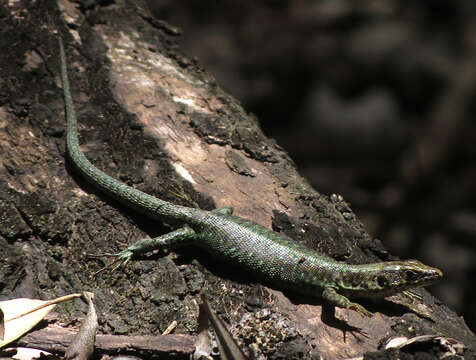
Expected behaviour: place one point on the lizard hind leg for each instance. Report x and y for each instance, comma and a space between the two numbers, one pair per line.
180, 237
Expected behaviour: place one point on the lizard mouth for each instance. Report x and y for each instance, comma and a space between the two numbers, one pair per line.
435, 275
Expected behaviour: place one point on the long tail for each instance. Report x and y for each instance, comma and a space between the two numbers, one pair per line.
127, 195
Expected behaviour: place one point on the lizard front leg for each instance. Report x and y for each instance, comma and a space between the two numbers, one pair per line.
333, 297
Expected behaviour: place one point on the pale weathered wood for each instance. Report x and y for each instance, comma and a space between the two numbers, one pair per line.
56, 340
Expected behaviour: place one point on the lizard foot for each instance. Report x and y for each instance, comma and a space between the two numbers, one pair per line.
328, 317
121, 259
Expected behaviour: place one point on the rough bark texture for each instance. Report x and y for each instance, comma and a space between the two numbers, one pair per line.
156, 120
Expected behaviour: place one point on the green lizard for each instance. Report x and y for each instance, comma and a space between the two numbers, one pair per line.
273, 256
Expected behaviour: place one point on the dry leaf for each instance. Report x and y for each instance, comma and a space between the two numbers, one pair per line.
29, 354
229, 349
203, 343
21, 315
2, 325
82, 346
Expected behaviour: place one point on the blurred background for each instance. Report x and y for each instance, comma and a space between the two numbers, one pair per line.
373, 100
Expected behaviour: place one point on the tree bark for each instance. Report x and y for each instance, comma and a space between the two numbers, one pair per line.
153, 118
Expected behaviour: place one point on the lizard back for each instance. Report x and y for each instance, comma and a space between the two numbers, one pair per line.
270, 255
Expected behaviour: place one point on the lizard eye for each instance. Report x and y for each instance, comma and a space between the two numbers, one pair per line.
410, 275
382, 281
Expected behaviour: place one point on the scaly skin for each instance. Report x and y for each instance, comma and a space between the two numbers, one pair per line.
271, 255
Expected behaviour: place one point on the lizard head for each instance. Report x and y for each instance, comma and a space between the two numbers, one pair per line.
397, 276
388, 278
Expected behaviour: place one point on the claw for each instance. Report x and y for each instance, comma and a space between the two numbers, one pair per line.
360, 309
